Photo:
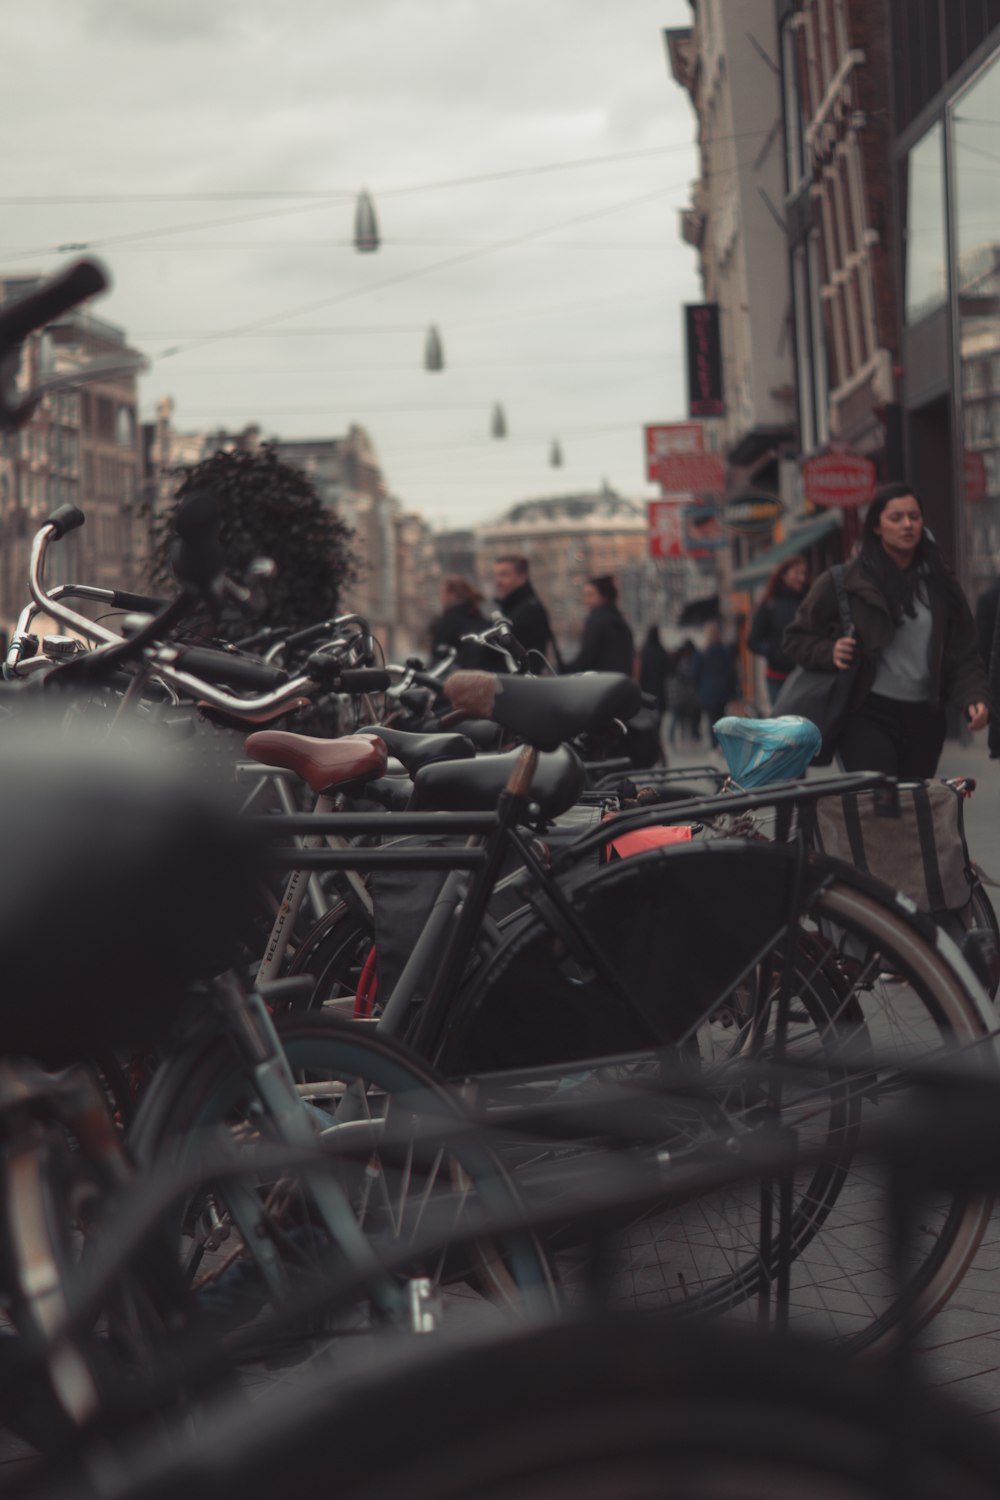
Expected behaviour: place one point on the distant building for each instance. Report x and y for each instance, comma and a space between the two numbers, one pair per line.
568, 540
456, 552
349, 479
725, 62
80, 447
418, 585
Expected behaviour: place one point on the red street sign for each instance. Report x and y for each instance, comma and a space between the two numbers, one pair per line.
974, 476
691, 474
666, 528
668, 438
845, 479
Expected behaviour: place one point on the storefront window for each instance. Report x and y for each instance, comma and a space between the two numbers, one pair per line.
926, 253
974, 119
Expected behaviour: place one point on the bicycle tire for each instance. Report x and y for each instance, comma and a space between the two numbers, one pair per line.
211, 1087
609, 1409
334, 952
982, 915
67, 1382
939, 1007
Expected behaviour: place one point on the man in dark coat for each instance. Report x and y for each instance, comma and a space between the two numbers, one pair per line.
606, 644
517, 602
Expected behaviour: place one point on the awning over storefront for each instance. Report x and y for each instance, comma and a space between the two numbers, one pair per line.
799, 540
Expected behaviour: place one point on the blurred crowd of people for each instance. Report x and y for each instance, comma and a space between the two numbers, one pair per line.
696, 681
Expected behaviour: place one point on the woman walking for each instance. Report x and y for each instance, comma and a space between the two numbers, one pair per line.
914, 640
460, 615
785, 590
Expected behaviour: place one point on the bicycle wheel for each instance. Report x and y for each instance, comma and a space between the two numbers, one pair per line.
335, 953
610, 1409
397, 1194
698, 936
54, 1217
983, 917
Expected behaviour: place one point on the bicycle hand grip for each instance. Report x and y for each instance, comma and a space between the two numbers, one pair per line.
327, 669
233, 671
67, 518
81, 280
143, 604
364, 680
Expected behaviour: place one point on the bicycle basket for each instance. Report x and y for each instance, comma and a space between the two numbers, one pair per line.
759, 751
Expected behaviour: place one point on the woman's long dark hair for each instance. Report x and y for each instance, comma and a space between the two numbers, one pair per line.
776, 583
900, 587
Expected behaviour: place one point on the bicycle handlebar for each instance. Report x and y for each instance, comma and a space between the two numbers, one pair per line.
221, 666
143, 604
66, 519
83, 279
315, 632
280, 689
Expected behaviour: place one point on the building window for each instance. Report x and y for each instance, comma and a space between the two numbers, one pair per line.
976, 275
827, 46
105, 418
803, 351
926, 261
840, 28
810, 346
810, 30
795, 141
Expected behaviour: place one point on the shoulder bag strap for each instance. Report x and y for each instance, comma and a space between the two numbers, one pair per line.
837, 574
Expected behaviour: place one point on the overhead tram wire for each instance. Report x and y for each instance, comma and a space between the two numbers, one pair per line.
141, 239
338, 194
327, 243
508, 315
119, 240
404, 276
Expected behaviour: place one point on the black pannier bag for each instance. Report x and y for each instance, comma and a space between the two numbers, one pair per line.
404, 898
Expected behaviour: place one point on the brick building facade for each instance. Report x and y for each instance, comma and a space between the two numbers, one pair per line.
80, 447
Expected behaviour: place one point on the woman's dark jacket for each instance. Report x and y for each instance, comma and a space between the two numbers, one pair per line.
956, 669
767, 629
457, 620
606, 644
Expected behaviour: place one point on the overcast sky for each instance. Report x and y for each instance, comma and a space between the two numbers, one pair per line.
211, 151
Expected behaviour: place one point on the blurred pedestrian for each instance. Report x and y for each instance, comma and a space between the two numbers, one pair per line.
517, 602
784, 592
718, 682
460, 615
606, 644
654, 665
914, 640
682, 694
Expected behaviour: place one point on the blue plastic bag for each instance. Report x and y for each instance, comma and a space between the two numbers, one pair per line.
759, 751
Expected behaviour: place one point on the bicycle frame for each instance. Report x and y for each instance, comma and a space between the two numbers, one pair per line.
286, 1119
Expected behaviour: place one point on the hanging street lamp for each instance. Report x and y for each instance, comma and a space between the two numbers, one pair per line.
433, 352
365, 224
498, 423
